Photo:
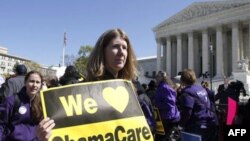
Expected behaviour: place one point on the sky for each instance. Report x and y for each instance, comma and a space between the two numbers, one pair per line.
34, 29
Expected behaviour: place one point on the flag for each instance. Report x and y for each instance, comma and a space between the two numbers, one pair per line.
65, 39
231, 110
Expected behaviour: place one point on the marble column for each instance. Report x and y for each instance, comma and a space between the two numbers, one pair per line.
190, 50
179, 53
158, 56
248, 47
197, 59
204, 51
168, 45
226, 54
219, 52
241, 47
235, 46
164, 57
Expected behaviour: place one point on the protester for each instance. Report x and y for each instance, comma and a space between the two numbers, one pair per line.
71, 76
21, 112
146, 105
165, 101
211, 97
112, 58
142, 96
52, 81
145, 86
224, 86
211, 94
151, 91
223, 93
196, 114
14, 84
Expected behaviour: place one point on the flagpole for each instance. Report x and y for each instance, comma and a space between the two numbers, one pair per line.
63, 55
64, 46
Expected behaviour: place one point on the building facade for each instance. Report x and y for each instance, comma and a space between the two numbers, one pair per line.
7, 61
147, 66
210, 36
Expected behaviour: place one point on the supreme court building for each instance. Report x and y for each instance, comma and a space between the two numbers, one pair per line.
205, 36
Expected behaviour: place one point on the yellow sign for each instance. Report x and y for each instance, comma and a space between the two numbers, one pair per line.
159, 126
96, 111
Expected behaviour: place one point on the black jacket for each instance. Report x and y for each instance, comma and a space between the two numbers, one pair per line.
12, 86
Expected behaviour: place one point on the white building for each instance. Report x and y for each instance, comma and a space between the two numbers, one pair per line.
211, 36
185, 39
7, 61
59, 71
147, 66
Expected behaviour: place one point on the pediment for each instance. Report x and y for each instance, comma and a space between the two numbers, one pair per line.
199, 9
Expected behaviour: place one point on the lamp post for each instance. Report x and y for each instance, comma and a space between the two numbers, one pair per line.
211, 65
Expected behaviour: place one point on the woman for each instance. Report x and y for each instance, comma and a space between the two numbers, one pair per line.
165, 101
21, 112
112, 58
196, 114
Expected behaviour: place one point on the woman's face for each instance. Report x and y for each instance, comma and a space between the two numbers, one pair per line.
116, 55
33, 84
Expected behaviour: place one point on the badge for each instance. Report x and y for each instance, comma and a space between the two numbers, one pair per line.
22, 110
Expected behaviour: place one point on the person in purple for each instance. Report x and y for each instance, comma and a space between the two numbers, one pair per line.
20, 113
165, 101
196, 114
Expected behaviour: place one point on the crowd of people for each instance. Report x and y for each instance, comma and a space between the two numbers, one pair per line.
187, 106
195, 108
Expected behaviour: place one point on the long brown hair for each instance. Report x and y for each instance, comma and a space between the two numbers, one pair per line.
95, 65
36, 106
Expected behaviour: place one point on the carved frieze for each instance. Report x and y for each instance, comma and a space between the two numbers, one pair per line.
199, 9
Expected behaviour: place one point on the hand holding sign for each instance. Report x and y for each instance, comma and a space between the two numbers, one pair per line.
44, 129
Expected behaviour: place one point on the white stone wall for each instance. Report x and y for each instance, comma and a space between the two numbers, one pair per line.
147, 65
